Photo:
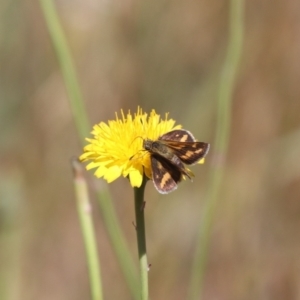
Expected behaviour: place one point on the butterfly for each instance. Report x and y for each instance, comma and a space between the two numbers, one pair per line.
169, 154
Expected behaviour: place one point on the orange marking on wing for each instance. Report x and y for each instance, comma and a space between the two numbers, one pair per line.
198, 151
184, 138
165, 179
188, 154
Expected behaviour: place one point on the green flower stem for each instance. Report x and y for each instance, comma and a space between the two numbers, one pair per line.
227, 83
67, 67
117, 239
85, 215
80, 116
141, 238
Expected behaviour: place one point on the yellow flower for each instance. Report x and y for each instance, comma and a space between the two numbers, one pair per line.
117, 147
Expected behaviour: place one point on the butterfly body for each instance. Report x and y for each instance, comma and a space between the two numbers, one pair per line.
169, 154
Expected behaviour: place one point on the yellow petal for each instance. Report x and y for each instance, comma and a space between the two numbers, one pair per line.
201, 161
136, 177
112, 173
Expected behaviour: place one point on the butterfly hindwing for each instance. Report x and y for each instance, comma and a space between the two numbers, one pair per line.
165, 175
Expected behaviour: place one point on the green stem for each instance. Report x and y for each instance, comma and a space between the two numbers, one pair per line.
118, 242
141, 238
85, 215
225, 94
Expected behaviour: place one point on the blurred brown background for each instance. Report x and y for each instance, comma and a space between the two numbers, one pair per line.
165, 55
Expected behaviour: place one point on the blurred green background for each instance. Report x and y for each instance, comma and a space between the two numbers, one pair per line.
165, 55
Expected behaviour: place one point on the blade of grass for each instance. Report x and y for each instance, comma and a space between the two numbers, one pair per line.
225, 94
80, 117
84, 210
67, 68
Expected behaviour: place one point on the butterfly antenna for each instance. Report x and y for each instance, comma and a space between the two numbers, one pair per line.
138, 153
136, 138
139, 150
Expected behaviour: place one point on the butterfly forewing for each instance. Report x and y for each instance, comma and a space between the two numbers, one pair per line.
184, 145
179, 135
189, 152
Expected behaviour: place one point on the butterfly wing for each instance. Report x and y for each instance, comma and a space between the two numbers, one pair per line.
165, 175
184, 146
179, 135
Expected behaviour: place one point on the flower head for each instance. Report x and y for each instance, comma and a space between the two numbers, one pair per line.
117, 147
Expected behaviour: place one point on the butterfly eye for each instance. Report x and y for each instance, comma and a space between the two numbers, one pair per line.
155, 145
